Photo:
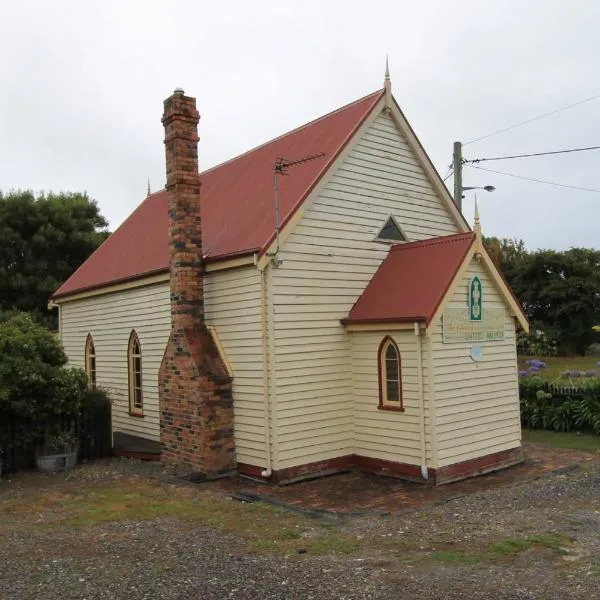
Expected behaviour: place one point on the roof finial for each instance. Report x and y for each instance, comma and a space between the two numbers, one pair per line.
476, 223
149, 192
387, 83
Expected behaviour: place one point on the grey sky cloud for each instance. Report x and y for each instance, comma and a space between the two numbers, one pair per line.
82, 85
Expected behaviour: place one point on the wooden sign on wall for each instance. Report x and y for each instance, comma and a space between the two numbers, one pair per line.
457, 325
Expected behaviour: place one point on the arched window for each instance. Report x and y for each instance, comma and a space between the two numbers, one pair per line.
90, 361
134, 362
390, 375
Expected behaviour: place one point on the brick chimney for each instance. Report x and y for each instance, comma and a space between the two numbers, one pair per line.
195, 392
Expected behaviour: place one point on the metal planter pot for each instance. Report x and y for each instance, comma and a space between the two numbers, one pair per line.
51, 463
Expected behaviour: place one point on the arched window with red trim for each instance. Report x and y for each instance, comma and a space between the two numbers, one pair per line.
134, 363
90, 361
390, 375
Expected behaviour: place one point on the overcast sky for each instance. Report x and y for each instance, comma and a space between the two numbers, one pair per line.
82, 85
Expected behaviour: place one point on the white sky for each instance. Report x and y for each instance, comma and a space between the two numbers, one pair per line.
82, 85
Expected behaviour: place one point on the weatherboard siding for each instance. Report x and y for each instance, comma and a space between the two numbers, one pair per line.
110, 318
232, 304
477, 404
381, 434
328, 260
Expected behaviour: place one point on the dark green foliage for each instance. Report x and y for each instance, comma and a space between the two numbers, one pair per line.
559, 291
559, 408
35, 386
42, 241
95, 399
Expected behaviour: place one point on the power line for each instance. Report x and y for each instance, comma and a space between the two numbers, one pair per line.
562, 185
448, 173
483, 137
478, 160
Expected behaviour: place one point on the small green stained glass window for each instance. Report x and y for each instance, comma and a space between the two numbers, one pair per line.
475, 299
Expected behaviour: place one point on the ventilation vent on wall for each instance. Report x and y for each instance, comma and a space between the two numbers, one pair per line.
391, 232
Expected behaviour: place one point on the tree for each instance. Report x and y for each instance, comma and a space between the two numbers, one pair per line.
559, 291
505, 253
36, 388
42, 241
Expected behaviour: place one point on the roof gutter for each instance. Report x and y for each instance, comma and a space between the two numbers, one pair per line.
348, 321
213, 264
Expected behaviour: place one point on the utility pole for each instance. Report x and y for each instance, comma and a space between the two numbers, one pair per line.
457, 164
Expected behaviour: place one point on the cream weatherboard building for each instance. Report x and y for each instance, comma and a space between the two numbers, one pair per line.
364, 327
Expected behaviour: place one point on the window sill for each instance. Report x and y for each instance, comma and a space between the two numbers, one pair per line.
136, 413
390, 408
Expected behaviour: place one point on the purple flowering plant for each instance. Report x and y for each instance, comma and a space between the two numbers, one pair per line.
535, 366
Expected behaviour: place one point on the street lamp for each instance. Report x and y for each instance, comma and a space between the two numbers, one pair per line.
487, 188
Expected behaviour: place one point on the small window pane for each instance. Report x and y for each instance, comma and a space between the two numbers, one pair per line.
391, 369
393, 391
391, 231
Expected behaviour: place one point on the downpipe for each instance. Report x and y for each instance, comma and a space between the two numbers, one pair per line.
424, 469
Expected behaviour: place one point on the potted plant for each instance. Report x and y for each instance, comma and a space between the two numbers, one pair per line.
58, 453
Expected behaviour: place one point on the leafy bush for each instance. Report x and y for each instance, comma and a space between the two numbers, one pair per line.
537, 342
94, 399
35, 386
546, 407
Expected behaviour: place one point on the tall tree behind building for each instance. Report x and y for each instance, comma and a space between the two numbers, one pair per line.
559, 290
43, 240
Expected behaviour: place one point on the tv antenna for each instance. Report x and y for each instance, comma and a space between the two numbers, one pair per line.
281, 167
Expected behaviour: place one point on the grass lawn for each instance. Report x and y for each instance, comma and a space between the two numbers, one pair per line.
559, 364
261, 528
562, 439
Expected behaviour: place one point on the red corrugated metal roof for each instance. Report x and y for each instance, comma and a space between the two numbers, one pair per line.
237, 203
412, 281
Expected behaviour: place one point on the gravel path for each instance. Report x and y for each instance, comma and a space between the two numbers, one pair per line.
172, 559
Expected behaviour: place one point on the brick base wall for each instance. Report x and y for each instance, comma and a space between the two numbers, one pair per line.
479, 466
443, 475
196, 405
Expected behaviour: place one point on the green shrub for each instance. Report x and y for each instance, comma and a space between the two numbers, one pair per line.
560, 409
94, 399
36, 388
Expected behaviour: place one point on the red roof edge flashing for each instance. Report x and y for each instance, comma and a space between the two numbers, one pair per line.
89, 288
451, 280
447, 239
436, 296
375, 321
107, 284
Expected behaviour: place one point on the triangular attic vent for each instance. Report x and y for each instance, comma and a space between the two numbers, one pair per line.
391, 232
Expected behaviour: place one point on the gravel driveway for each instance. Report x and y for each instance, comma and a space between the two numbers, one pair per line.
537, 540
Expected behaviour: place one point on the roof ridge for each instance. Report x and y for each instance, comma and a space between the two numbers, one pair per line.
445, 239
279, 137
295, 130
